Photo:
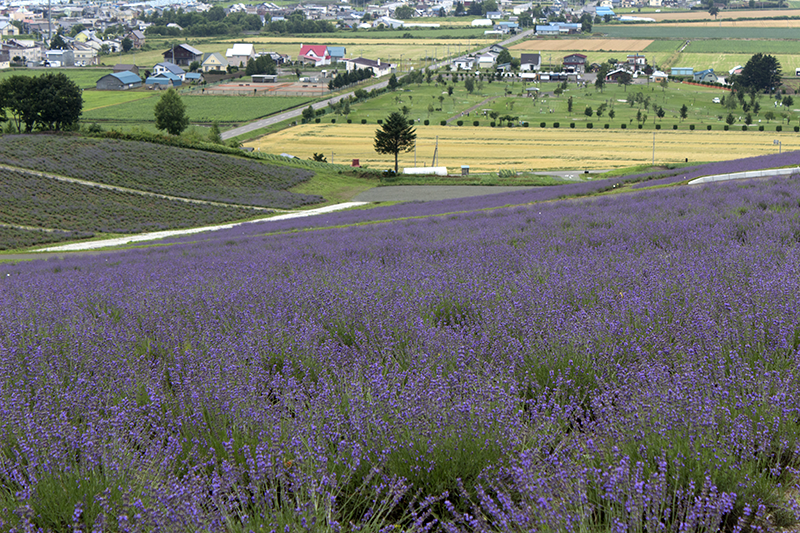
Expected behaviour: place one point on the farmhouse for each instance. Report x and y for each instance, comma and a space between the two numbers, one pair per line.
530, 62
183, 54
169, 68
240, 54
547, 30
336, 53
165, 80
316, 55
681, 71
463, 63
706, 76
638, 61
119, 81
575, 63
376, 66
213, 61
126, 67
137, 38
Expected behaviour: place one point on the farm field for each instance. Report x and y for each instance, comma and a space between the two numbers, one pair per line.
692, 31
159, 169
584, 45
85, 78
724, 14
93, 99
635, 354
199, 108
491, 149
80, 210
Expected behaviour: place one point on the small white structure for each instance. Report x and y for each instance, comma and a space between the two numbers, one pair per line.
482, 22
438, 171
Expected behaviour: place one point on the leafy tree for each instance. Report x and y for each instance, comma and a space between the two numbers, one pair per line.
762, 72
611, 113
309, 114
769, 115
214, 135
729, 120
684, 112
393, 83
394, 136
569, 105
47, 102
787, 101
713, 11
469, 85
404, 12
748, 119
664, 84
319, 157
487, 6
76, 29
600, 82
170, 113
449, 90
459, 12
194, 66
660, 112
127, 44
475, 9
588, 111
504, 57
625, 79
58, 43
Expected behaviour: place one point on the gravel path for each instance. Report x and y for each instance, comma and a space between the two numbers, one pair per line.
426, 193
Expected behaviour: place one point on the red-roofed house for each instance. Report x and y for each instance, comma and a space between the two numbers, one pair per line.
314, 54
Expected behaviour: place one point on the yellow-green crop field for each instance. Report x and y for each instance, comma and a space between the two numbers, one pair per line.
491, 149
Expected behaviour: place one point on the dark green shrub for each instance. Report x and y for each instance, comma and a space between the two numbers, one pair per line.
443, 123
761, 127
778, 128
349, 120
476, 123
556, 124
691, 127
333, 121
589, 125
380, 121
708, 127
674, 126
744, 127
658, 126
363, 121
460, 122
542, 124
623, 126
639, 126
796, 129
525, 124
492, 124
726, 127
572, 125
317, 120
426, 122
606, 126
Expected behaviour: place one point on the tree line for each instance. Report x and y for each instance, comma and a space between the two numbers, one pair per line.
47, 102
212, 22
296, 22
343, 79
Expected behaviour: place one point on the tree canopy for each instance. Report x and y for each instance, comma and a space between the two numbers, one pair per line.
170, 113
761, 73
46, 102
394, 136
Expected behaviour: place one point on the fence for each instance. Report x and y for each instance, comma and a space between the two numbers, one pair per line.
744, 175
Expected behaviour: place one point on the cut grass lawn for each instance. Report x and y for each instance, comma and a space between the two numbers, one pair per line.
199, 108
85, 78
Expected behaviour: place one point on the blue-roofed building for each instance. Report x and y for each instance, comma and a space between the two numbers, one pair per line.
172, 68
603, 11
705, 76
547, 30
681, 71
119, 81
337, 53
194, 77
165, 80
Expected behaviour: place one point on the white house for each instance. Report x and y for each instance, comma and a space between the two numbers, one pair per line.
240, 54
377, 67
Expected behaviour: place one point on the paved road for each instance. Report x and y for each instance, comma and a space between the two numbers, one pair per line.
295, 113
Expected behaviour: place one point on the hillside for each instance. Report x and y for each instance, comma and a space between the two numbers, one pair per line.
160, 169
623, 362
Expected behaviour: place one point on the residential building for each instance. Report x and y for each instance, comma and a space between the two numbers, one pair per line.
377, 67
316, 55
183, 54
166, 67
137, 37
575, 63
60, 58
214, 61
240, 54
7, 29
126, 67
530, 62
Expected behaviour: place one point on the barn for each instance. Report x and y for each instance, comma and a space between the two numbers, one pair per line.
119, 81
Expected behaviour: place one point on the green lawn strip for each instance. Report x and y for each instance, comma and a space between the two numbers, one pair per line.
692, 31
85, 78
94, 99
200, 108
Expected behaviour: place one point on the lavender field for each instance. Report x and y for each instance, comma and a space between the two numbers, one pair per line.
617, 363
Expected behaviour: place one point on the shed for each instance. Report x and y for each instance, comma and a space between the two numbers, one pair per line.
264, 78
119, 81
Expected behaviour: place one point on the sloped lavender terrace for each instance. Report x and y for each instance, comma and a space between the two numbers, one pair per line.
622, 363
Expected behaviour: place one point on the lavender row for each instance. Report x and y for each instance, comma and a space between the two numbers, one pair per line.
625, 363
34, 201
160, 169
